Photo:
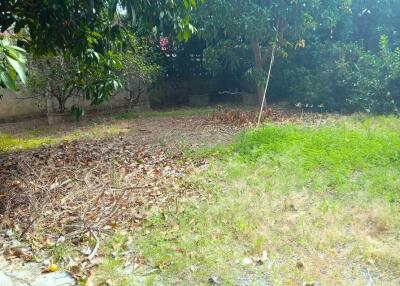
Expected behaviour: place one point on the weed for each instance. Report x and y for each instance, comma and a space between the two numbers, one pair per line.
126, 115
112, 272
62, 251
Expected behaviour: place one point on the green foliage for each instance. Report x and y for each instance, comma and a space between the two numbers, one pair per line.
53, 77
240, 35
36, 139
69, 25
98, 76
338, 151
12, 61
90, 33
126, 115
128, 64
333, 55
347, 77
139, 66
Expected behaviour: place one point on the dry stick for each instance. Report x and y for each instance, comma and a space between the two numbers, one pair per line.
96, 248
266, 85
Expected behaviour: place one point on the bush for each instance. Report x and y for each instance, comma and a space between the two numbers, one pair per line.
346, 77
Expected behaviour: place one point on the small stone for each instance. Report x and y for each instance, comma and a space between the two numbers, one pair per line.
86, 250
46, 262
8, 233
215, 280
264, 256
60, 278
247, 261
300, 265
5, 280
61, 239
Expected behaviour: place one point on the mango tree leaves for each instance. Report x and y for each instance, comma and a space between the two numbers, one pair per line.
56, 25
12, 61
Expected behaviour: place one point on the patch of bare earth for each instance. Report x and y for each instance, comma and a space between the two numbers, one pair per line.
83, 189
83, 186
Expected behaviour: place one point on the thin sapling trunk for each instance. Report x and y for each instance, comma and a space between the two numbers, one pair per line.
266, 85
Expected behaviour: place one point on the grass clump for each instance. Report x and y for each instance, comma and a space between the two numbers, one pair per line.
129, 115
62, 251
321, 202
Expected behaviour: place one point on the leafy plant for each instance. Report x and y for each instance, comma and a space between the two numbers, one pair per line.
88, 32
140, 67
12, 61
244, 35
347, 77
53, 77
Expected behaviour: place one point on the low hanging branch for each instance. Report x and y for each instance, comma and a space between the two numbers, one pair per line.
267, 83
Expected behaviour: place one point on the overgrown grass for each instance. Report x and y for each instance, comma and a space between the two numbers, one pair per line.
127, 115
321, 202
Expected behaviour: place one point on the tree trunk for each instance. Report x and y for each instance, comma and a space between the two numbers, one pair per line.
49, 102
260, 95
61, 104
258, 63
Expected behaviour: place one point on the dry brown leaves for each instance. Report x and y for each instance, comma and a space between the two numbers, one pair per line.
248, 118
77, 187
82, 187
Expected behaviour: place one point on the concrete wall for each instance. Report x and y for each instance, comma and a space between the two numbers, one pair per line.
17, 106
13, 106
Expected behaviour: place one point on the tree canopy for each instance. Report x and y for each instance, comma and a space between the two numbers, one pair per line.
72, 25
91, 31
241, 34
340, 54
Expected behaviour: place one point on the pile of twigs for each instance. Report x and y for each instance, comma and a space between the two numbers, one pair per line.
77, 187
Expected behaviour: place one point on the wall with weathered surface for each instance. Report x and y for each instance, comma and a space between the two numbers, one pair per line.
13, 106
16, 106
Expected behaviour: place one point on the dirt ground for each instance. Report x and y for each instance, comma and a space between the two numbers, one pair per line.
107, 181
109, 175
93, 185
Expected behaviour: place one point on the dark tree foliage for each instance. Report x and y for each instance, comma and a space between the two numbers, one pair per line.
332, 55
353, 66
91, 32
69, 24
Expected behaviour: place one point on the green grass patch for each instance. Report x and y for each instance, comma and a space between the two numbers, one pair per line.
322, 202
344, 157
128, 115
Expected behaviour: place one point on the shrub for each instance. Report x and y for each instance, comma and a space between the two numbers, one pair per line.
346, 77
